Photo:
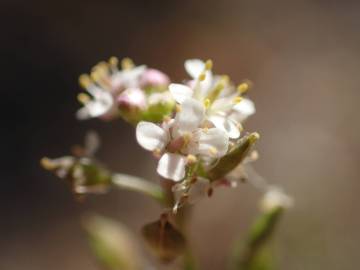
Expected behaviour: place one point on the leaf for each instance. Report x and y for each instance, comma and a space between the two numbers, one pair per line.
164, 239
112, 243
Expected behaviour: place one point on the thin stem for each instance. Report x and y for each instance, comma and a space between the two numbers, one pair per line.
137, 184
245, 257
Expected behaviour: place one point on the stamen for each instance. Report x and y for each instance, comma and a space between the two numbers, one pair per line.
99, 75
244, 87
85, 81
216, 92
237, 99
202, 76
187, 137
240, 126
127, 63
113, 61
191, 159
83, 98
208, 64
47, 163
207, 103
213, 151
157, 152
253, 137
225, 79
178, 108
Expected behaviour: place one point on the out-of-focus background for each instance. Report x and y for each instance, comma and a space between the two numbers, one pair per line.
304, 58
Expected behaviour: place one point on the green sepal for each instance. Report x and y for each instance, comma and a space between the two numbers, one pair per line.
235, 156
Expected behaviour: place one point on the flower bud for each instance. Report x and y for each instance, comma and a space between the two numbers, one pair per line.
275, 198
83, 174
160, 105
153, 78
131, 103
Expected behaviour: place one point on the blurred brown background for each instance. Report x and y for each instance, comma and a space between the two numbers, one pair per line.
304, 58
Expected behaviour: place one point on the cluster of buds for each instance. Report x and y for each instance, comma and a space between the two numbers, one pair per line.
133, 92
82, 171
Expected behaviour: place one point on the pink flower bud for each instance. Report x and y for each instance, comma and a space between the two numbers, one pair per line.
132, 98
154, 77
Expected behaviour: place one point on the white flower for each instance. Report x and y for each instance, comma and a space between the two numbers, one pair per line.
105, 83
100, 102
275, 198
223, 104
181, 140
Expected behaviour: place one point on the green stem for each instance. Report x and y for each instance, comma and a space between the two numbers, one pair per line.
244, 258
137, 184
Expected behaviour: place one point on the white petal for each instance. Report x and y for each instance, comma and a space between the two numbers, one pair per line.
244, 109
151, 136
101, 104
194, 67
190, 116
127, 78
172, 166
226, 124
180, 92
210, 140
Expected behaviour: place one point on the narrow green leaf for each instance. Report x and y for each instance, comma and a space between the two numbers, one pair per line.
112, 243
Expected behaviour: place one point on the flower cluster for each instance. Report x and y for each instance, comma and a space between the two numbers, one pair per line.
209, 114
193, 128
132, 92
195, 131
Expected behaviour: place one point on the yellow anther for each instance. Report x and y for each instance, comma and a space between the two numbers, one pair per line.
237, 99
96, 75
240, 126
213, 151
191, 159
253, 137
83, 98
101, 65
208, 64
225, 79
202, 76
205, 129
207, 103
127, 63
187, 137
157, 152
113, 61
243, 87
213, 95
178, 108
47, 163
85, 81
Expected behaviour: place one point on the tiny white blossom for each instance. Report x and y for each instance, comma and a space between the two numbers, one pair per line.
178, 138
223, 104
275, 198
